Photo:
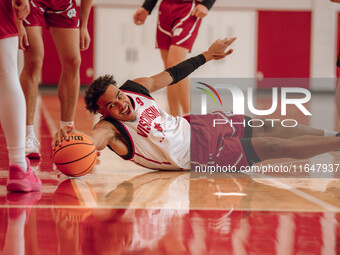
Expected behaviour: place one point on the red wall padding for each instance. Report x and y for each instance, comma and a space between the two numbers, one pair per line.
284, 43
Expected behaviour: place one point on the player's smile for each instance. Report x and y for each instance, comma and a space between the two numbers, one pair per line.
115, 104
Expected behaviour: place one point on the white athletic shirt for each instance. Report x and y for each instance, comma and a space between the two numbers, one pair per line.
155, 139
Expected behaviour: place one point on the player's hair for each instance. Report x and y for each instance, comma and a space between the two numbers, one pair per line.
96, 90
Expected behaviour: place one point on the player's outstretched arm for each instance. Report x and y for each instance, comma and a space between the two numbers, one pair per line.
217, 50
101, 134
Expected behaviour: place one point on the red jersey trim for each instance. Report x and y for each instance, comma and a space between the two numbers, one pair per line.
128, 91
132, 144
154, 161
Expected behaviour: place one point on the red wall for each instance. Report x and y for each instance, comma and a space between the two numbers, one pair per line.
284, 42
51, 67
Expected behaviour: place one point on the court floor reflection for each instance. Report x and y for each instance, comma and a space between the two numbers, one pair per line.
120, 208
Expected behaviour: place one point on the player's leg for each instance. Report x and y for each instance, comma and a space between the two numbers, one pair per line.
276, 129
66, 41
184, 31
178, 94
164, 55
298, 148
33, 59
12, 117
12, 102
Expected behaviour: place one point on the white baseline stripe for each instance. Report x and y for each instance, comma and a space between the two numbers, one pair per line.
304, 195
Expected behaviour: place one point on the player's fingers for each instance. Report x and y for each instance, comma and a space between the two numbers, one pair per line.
69, 128
139, 21
25, 41
222, 55
82, 42
228, 52
229, 41
63, 133
225, 40
21, 44
87, 42
135, 19
194, 12
56, 140
200, 14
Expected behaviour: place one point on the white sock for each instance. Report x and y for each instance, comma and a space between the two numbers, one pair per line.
329, 133
17, 157
30, 130
66, 123
12, 102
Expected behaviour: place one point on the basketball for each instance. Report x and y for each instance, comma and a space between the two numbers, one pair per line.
76, 155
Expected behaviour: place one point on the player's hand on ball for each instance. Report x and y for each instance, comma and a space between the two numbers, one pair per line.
61, 134
217, 49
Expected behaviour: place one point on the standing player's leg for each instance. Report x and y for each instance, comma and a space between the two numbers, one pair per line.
12, 117
66, 41
33, 59
12, 103
178, 94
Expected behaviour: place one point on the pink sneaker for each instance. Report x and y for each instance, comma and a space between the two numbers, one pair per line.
22, 181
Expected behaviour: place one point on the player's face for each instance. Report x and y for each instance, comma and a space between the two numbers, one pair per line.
115, 104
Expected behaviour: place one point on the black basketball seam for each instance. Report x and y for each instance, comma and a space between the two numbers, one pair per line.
59, 164
71, 145
92, 164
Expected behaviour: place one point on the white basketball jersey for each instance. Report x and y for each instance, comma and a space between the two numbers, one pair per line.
159, 140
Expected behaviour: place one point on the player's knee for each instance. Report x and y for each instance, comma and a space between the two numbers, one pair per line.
266, 130
33, 64
72, 64
275, 148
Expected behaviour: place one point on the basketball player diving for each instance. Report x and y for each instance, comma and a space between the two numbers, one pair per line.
135, 128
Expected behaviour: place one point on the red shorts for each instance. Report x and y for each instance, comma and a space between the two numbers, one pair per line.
53, 13
8, 26
175, 24
219, 145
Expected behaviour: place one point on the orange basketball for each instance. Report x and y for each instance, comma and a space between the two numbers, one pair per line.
76, 155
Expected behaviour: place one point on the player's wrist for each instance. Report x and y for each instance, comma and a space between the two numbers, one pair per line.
207, 56
83, 25
145, 10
